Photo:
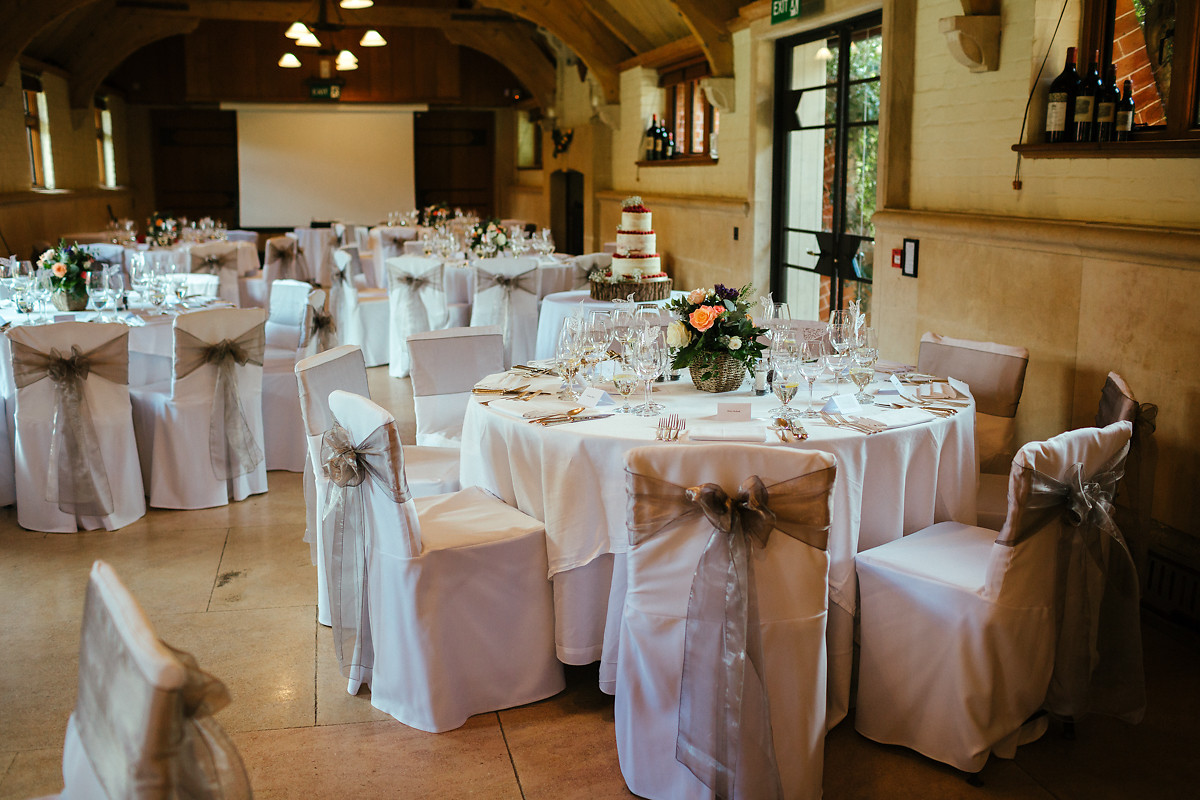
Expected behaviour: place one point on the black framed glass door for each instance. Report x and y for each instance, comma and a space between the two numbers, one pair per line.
826, 152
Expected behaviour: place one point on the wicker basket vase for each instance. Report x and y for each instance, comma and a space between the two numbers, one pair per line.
725, 373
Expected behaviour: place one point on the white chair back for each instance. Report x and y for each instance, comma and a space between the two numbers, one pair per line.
212, 326
219, 259
284, 260
107, 253
288, 314
201, 284
446, 365
242, 236
318, 245
506, 294
417, 303
996, 375
387, 241
790, 592
132, 733
586, 263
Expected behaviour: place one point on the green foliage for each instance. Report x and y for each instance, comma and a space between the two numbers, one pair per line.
732, 332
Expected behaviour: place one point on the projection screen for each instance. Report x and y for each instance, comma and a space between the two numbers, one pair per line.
299, 163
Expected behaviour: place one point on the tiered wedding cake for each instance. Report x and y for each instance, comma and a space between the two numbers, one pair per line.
636, 266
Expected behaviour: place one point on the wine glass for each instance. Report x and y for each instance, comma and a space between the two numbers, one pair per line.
647, 315
98, 293
836, 362
776, 317
862, 372
43, 286
785, 382
22, 282
840, 335
650, 361
547, 242
568, 354
811, 366
625, 379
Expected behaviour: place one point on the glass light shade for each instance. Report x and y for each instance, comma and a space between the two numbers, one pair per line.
824, 54
345, 61
372, 38
289, 61
346, 66
309, 39
295, 30
357, 3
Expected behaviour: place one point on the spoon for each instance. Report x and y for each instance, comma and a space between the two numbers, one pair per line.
559, 417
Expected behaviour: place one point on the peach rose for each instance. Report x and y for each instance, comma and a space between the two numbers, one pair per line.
697, 296
703, 317
59, 270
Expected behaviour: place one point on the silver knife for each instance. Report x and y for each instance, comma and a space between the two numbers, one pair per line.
575, 419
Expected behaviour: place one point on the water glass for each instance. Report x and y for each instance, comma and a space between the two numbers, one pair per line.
811, 365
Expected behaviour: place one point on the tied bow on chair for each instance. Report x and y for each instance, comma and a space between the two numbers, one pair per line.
347, 467
1097, 662
232, 448
522, 281
212, 263
321, 325
76, 479
723, 656
286, 258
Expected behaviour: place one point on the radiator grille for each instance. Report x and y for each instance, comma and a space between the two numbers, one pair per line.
1172, 589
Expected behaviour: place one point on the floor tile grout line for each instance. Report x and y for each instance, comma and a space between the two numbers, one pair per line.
511, 760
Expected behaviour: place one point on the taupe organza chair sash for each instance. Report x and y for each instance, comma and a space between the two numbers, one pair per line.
76, 479
522, 281
723, 656
1098, 651
187, 750
348, 466
231, 445
320, 324
287, 260
412, 287
213, 263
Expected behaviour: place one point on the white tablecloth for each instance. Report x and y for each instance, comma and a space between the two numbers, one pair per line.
572, 478
560, 305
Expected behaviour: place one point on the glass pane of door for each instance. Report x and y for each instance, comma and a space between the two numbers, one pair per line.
826, 151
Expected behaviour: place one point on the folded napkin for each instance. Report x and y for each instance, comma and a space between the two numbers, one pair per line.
514, 380
936, 391
892, 367
711, 431
531, 409
899, 417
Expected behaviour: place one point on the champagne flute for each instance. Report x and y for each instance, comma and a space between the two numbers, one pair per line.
811, 366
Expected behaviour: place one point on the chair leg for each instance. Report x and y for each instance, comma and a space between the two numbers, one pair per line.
1068, 729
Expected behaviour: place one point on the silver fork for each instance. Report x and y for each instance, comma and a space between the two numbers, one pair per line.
676, 424
660, 431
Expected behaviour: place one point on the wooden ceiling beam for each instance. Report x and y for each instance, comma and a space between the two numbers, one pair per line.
616, 22
709, 23
516, 49
373, 17
23, 21
117, 37
573, 22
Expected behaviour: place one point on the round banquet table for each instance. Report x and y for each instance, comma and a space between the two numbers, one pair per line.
560, 305
571, 477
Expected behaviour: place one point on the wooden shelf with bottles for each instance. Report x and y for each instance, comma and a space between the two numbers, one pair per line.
1134, 148
680, 161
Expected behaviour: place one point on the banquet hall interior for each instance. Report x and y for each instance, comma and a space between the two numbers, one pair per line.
894, 157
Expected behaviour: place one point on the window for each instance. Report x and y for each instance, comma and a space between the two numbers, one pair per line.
1156, 45
105, 161
37, 132
529, 140
692, 120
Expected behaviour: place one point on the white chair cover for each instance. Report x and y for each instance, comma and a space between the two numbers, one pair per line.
585, 264
107, 253
417, 299
964, 638
283, 427
446, 365
506, 294
506, 224
242, 236
203, 285
318, 245
284, 260
669, 704
142, 725
219, 259
76, 462
996, 375
176, 425
387, 242
362, 314
456, 617
430, 470
414, 249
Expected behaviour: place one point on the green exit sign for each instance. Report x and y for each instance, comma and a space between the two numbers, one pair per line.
324, 89
783, 10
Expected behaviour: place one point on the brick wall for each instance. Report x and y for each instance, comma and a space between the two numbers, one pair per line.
1132, 62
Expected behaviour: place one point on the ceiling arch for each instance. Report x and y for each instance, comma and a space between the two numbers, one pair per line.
23, 21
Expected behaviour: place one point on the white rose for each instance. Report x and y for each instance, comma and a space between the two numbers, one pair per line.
678, 335
44, 257
735, 343
501, 239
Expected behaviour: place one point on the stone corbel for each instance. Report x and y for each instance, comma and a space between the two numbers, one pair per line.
719, 92
609, 114
974, 38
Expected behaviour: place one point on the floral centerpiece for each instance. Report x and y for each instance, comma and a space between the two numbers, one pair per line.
69, 267
714, 336
434, 215
489, 236
161, 229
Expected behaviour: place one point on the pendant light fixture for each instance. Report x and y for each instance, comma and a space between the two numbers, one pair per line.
305, 35
289, 61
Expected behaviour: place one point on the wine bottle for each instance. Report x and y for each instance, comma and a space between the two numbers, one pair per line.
1060, 103
1124, 122
651, 137
1106, 106
1085, 102
670, 145
660, 142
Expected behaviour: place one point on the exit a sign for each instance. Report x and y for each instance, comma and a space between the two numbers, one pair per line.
324, 89
783, 10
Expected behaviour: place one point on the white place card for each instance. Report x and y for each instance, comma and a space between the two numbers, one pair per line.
733, 412
907, 392
961, 387
842, 404
595, 396
64, 317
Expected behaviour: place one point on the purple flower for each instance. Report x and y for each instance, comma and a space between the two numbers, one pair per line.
724, 293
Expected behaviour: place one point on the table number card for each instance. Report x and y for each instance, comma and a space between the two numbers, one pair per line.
733, 412
842, 404
595, 396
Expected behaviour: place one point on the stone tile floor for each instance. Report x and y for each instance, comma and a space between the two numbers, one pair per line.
235, 587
